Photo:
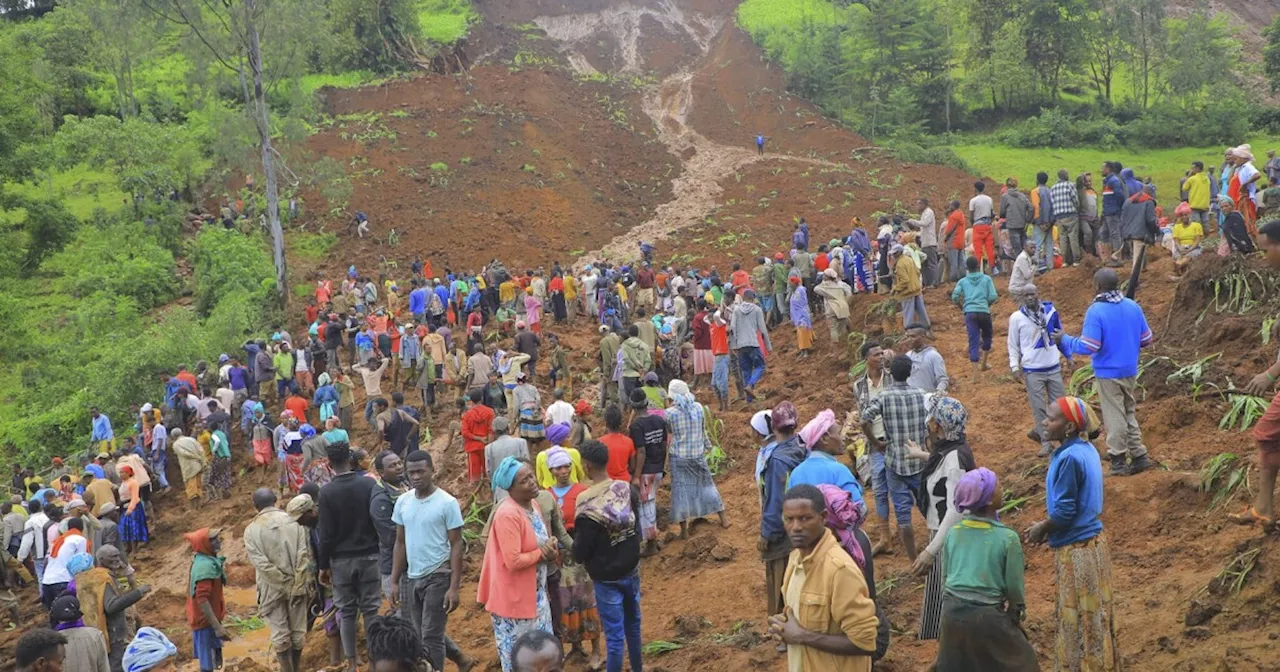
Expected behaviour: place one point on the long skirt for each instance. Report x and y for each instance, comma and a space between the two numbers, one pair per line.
558, 307
262, 452
133, 526
931, 610
507, 630
293, 471
194, 486
580, 622
913, 312
804, 338
207, 648
1086, 638
531, 424
318, 472
649, 505
220, 476
703, 362
982, 637
693, 491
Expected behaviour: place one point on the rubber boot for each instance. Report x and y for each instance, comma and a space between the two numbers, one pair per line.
1139, 465
884, 540
908, 540
1119, 465
286, 661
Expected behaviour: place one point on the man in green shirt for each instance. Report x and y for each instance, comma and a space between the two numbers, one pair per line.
285, 363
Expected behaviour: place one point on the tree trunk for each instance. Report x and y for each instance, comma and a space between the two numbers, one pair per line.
268, 159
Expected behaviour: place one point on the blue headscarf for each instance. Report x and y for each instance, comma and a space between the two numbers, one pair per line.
147, 650
307, 431
505, 475
79, 562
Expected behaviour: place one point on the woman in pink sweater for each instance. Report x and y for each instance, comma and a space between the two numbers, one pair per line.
513, 579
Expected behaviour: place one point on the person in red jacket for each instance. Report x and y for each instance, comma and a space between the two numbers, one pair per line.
477, 425
206, 607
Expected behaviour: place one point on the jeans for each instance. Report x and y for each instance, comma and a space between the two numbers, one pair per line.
50, 591
913, 312
902, 490
425, 604
929, 273
1044, 248
618, 603
978, 328
357, 589
879, 484
752, 364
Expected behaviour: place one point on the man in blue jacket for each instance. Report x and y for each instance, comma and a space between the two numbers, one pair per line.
1114, 194
773, 469
1115, 331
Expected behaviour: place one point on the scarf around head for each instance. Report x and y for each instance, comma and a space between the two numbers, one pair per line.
505, 475
1078, 413
205, 566
607, 503
148, 649
812, 432
975, 490
844, 517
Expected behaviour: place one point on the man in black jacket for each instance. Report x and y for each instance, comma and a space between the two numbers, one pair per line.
388, 487
607, 542
347, 555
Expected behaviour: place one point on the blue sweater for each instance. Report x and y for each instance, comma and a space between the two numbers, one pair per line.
977, 291
821, 468
418, 301
1114, 194
773, 482
1112, 335
1074, 493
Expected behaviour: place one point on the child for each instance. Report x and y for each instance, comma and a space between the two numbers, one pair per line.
394, 645
974, 294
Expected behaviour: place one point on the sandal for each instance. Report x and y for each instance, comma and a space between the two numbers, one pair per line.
1250, 516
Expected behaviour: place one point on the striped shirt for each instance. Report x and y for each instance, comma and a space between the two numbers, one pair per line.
1065, 199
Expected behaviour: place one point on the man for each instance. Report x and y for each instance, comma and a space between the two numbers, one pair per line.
929, 372
1022, 278
371, 375
428, 550
206, 605
1034, 359
975, 294
526, 343
927, 225
264, 368
780, 456
1139, 224
35, 538
607, 543
347, 554
905, 414
332, 336
1115, 331
841, 636
476, 426
192, 460
56, 575
953, 240
1272, 168
1265, 433
648, 333
637, 359
907, 290
40, 650
866, 389
504, 445
747, 330
835, 294
981, 214
389, 486
1016, 211
103, 438
280, 551
610, 343
394, 425
644, 299
1042, 206
1066, 216
762, 282
1114, 195
537, 651
1197, 187
559, 411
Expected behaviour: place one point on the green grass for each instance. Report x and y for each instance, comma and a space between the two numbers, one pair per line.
445, 21
312, 246
343, 80
767, 15
81, 189
1165, 166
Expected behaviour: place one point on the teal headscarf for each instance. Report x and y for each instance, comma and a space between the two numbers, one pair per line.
505, 475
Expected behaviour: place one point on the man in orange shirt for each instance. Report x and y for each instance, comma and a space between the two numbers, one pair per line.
187, 377
720, 351
298, 404
953, 241
477, 425
624, 460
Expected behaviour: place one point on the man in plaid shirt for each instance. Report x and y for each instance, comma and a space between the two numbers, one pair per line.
905, 415
1066, 214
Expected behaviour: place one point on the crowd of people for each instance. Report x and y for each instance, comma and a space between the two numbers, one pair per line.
343, 532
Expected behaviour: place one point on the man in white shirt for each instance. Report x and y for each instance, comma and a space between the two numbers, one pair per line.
927, 225
1035, 359
34, 538
981, 216
1022, 279
559, 411
56, 576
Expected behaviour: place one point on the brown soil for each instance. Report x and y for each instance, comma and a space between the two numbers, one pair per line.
674, 161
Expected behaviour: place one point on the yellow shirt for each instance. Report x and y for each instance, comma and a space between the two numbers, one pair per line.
543, 472
507, 292
1197, 187
1186, 234
570, 288
827, 593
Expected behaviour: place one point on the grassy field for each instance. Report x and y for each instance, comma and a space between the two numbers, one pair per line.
1164, 166
81, 189
445, 21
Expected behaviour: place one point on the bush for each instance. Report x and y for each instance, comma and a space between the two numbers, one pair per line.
228, 262
912, 152
118, 260
1054, 128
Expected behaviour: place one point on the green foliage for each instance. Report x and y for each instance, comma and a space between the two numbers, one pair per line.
30, 230
445, 21
1271, 54
120, 259
148, 158
1224, 475
312, 246
228, 262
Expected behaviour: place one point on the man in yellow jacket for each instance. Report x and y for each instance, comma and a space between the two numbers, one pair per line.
908, 288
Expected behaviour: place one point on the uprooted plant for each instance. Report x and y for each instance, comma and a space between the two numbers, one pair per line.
1224, 475
1243, 411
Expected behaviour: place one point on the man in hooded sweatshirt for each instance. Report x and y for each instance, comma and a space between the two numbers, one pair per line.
1139, 222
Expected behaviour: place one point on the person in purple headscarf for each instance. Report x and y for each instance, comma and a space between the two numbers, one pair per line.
984, 593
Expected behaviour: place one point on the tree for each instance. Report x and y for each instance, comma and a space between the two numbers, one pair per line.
121, 32
19, 119
149, 159
45, 228
1200, 52
1104, 33
374, 34
1054, 46
1145, 31
1271, 54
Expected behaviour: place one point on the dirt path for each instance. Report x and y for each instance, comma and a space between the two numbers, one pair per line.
668, 104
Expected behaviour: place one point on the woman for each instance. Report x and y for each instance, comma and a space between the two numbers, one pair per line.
333, 431
703, 360
558, 307
294, 457
133, 524
580, 430
984, 596
150, 651
801, 317
556, 435
844, 518
693, 490
326, 397
219, 465
513, 578
1086, 636
528, 403
533, 311
947, 461
107, 604
1235, 232
261, 438
85, 650
579, 620
1242, 186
